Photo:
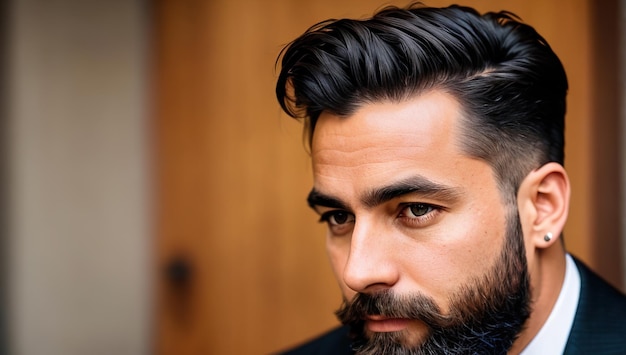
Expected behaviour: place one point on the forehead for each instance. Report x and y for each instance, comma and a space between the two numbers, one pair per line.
386, 142
431, 113
425, 126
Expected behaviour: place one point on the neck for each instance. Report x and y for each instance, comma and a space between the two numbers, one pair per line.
547, 273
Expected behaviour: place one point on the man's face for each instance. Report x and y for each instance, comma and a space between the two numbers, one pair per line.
414, 221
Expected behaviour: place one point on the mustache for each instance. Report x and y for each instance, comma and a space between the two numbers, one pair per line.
387, 304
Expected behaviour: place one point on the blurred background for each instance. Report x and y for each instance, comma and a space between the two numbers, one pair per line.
154, 194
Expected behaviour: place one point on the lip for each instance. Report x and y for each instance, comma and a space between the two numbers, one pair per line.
381, 324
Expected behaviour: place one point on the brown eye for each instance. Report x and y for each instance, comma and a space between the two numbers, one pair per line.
339, 222
338, 217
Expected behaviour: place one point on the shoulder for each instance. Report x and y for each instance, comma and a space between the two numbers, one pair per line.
599, 324
597, 297
335, 341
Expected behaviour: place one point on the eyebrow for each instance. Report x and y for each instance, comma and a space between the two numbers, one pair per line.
317, 198
413, 185
377, 196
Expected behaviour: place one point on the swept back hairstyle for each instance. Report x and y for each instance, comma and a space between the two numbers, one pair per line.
510, 85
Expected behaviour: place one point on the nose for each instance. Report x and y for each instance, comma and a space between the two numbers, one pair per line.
371, 265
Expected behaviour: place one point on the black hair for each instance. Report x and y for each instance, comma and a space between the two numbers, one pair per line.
510, 85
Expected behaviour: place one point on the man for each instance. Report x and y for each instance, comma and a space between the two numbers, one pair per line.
436, 139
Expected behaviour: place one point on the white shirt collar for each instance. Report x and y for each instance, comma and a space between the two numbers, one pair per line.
553, 335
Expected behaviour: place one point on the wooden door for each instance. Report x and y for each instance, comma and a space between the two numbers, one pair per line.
240, 263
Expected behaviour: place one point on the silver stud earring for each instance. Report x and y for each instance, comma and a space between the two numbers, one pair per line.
548, 237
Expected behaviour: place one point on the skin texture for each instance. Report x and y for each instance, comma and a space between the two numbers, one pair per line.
408, 212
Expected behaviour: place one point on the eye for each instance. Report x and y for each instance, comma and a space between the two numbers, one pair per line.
339, 222
337, 218
418, 209
419, 215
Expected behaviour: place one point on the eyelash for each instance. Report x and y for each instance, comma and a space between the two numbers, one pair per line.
335, 228
418, 221
432, 211
327, 216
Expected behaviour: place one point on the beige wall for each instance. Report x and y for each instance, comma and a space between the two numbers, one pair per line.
78, 242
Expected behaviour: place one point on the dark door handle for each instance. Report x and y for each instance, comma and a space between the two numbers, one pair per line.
179, 272
178, 275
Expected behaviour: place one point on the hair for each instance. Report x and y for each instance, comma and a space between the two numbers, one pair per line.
510, 85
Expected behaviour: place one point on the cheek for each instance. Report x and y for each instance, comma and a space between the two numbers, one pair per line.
465, 247
338, 251
482, 239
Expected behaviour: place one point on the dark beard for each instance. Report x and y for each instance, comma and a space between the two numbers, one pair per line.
486, 315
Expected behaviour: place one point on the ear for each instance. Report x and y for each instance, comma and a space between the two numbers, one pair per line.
543, 203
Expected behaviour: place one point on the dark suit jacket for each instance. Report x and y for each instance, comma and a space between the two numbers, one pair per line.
599, 325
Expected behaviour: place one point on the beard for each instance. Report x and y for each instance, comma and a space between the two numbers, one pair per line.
486, 315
